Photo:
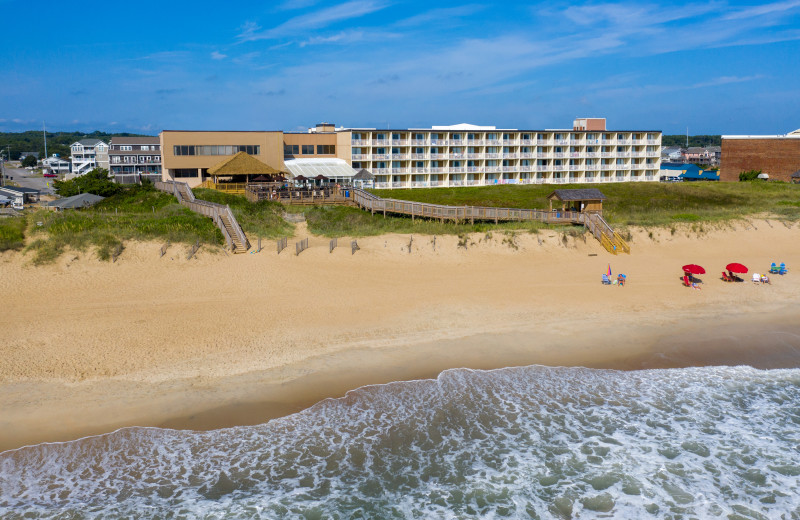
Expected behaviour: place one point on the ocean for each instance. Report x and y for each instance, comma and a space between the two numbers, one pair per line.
526, 442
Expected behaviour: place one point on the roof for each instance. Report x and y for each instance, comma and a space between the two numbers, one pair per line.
796, 175
363, 175
242, 164
714, 148
136, 140
579, 194
4, 200
310, 168
18, 189
83, 200
696, 149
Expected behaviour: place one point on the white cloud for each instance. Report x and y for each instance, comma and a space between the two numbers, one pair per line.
314, 20
216, 55
761, 10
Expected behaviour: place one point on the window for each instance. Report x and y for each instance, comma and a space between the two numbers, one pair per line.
470, 137
182, 173
291, 149
356, 137
308, 149
215, 149
380, 137
396, 136
456, 137
526, 136
126, 148
326, 149
506, 137
395, 164
419, 137
145, 148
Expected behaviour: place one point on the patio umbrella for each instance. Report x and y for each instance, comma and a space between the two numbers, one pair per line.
693, 269
302, 178
736, 268
320, 177
280, 178
260, 178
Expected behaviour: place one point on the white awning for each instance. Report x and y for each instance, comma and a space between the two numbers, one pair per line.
310, 168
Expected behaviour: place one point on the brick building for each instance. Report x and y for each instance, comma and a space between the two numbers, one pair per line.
776, 155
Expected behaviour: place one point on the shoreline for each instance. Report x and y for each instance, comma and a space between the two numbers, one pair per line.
92, 347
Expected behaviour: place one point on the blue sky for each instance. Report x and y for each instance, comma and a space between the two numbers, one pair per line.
716, 67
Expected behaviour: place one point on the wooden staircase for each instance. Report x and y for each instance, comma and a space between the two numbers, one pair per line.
222, 216
610, 239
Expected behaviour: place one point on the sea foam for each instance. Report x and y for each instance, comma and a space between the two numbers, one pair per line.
528, 442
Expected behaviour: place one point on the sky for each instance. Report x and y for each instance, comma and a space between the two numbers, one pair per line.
718, 67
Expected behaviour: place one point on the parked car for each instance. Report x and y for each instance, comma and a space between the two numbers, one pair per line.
50, 175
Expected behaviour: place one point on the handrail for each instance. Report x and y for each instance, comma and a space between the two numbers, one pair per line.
217, 212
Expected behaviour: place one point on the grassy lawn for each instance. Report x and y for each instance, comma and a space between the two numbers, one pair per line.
644, 204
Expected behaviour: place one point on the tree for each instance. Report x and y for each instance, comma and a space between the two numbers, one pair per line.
29, 160
750, 175
96, 181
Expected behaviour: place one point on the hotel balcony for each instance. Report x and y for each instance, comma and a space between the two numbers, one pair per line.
608, 167
541, 168
359, 142
474, 156
399, 184
637, 154
496, 142
560, 180
623, 154
457, 169
418, 156
543, 155
527, 155
510, 168
437, 183
575, 154
475, 142
592, 154
399, 142
562, 141
473, 182
438, 142
510, 155
361, 157
383, 185
418, 184
526, 168
380, 157
638, 141
458, 155
608, 154
653, 141
576, 167
492, 156
527, 141
608, 141
399, 170
381, 171
399, 156
456, 183
624, 141
473, 169
419, 170
380, 142
510, 142
419, 142
653, 154
438, 170
560, 154
592, 166
492, 169
457, 142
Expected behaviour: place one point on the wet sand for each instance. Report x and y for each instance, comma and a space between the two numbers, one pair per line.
91, 347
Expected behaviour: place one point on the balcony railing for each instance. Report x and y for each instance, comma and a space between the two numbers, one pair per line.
608, 154
399, 170
510, 155
527, 141
653, 141
576, 167
560, 154
419, 170
592, 154
475, 142
608, 141
458, 156
383, 184
359, 142
399, 184
457, 169
492, 155
562, 141
437, 170
437, 183
623, 154
473, 169
399, 142
438, 142
493, 141
361, 157
510, 168
574, 154
560, 180
457, 142
418, 156
380, 142
380, 157
456, 183
418, 142
492, 169
418, 184
399, 156
378, 171
592, 166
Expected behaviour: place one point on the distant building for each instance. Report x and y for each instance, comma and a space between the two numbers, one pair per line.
56, 165
672, 154
23, 155
88, 154
697, 155
775, 155
19, 196
134, 158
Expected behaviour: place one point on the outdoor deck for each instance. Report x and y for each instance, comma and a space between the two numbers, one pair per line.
297, 196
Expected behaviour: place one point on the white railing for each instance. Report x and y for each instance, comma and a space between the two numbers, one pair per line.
438, 156
437, 183
399, 170
380, 142
380, 157
437, 170
474, 156
399, 142
457, 169
359, 142
493, 141
562, 141
475, 142
457, 156
457, 142
418, 142
399, 185
492, 169
399, 156
380, 170
510, 168
559, 154
492, 156
419, 184
383, 184
473, 169
419, 170
361, 157
510, 155
438, 142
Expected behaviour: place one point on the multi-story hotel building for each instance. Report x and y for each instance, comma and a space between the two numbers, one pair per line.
133, 158
88, 154
459, 155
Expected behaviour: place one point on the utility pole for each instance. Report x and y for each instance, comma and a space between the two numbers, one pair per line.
44, 132
687, 137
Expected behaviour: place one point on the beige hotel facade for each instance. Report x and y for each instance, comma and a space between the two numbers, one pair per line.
441, 156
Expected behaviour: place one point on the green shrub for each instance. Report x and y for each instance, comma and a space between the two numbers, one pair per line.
750, 175
12, 233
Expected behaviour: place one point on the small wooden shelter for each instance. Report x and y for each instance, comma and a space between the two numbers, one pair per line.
589, 200
363, 179
240, 167
796, 177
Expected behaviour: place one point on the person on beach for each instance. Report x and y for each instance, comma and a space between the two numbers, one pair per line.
696, 286
765, 279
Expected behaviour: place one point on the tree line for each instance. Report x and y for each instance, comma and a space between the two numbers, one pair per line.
57, 142
700, 141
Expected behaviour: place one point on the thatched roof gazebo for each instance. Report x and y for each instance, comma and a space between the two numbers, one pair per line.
242, 164
589, 200
796, 177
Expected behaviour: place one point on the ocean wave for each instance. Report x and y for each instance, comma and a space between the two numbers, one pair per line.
522, 442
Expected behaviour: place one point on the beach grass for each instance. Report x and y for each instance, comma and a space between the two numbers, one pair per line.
138, 213
634, 204
263, 218
12, 233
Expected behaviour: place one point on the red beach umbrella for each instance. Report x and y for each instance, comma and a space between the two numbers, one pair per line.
693, 269
736, 268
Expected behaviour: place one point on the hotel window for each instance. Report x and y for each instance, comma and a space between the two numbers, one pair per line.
395, 164
182, 173
419, 137
541, 137
126, 148
419, 151
326, 149
526, 162
356, 137
526, 136
620, 136
506, 162
506, 137
308, 149
291, 149
380, 136
491, 137
145, 148
493, 149
470, 137
395, 151
471, 164
434, 164
396, 137
456, 137
380, 151
456, 164
434, 149
419, 164
380, 164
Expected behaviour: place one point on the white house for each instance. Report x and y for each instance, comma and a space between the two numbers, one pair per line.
88, 154
55, 164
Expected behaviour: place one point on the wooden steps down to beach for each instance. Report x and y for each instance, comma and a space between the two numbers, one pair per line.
222, 216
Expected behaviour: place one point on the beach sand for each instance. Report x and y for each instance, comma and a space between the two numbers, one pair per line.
221, 340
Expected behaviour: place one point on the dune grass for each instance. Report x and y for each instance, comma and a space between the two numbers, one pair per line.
263, 218
643, 204
134, 214
12, 233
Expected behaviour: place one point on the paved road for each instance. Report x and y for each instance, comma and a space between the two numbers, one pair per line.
25, 178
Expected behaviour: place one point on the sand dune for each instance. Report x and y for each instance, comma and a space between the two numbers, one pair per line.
89, 346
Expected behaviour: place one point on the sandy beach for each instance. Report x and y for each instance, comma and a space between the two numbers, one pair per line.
221, 340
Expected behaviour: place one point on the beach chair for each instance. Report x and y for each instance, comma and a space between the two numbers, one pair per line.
686, 281
783, 269
756, 278
773, 269
606, 280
